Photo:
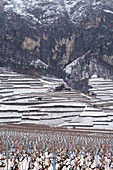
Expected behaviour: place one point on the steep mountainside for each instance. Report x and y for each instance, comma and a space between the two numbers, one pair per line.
68, 39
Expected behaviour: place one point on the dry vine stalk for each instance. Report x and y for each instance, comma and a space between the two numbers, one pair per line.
71, 149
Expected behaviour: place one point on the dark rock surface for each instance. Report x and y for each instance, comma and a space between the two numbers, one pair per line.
73, 39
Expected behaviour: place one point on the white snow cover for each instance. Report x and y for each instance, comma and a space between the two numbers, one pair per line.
39, 63
21, 7
108, 11
70, 4
35, 100
51, 9
70, 66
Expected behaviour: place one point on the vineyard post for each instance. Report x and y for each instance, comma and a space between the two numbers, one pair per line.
44, 147
31, 156
85, 156
53, 158
112, 145
70, 155
19, 153
7, 148
96, 156
107, 159
112, 149
64, 151
41, 146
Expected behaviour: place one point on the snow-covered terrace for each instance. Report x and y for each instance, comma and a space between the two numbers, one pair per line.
35, 101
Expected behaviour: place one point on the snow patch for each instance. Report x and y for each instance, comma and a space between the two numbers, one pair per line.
70, 67
25, 8
108, 11
39, 63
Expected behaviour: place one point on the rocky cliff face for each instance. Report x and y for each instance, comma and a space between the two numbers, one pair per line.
71, 39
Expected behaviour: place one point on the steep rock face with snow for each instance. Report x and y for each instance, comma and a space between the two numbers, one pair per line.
71, 39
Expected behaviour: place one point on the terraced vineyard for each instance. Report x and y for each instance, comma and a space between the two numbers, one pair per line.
49, 101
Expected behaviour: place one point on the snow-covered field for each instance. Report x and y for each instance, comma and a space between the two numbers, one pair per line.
42, 149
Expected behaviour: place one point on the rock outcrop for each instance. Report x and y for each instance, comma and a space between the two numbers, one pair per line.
74, 39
